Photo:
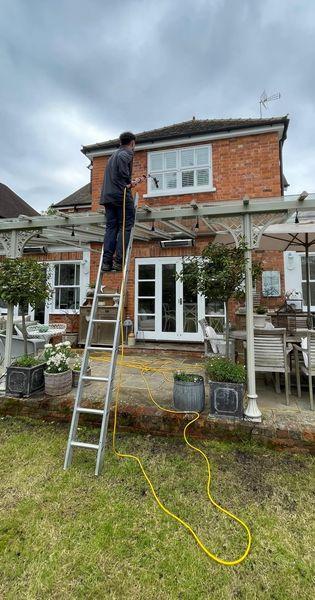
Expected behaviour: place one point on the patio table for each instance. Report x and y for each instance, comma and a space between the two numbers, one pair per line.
34, 332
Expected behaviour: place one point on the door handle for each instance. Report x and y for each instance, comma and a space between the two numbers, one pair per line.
180, 300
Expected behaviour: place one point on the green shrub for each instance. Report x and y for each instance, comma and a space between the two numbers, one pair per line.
190, 377
27, 361
223, 369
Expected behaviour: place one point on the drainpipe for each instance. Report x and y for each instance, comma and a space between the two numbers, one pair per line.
252, 412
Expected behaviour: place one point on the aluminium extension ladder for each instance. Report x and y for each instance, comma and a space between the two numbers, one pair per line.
108, 381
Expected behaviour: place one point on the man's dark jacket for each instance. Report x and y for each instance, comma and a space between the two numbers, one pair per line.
117, 176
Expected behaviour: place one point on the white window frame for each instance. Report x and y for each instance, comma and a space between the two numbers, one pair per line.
83, 285
179, 190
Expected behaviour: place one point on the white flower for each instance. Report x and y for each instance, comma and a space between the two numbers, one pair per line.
48, 346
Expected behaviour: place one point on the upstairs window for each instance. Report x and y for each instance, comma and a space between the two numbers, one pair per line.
184, 170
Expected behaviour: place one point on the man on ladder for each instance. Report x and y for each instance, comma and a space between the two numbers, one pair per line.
117, 178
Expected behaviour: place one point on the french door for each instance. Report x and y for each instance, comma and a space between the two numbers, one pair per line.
164, 308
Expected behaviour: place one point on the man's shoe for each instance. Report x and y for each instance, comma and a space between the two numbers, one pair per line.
106, 267
117, 266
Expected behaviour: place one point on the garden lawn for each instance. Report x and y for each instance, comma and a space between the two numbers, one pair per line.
70, 535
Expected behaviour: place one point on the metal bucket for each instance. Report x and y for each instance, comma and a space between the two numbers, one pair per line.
189, 395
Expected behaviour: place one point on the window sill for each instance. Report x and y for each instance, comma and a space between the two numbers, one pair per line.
64, 311
162, 193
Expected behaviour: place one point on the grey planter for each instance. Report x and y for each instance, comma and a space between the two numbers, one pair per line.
226, 399
189, 395
25, 381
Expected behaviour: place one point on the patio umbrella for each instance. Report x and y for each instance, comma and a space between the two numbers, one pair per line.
299, 237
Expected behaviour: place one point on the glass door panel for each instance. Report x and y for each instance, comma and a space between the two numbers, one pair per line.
190, 305
169, 297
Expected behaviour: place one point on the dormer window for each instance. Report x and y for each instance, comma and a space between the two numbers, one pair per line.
181, 171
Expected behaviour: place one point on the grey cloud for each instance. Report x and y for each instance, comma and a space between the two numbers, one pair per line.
74, 73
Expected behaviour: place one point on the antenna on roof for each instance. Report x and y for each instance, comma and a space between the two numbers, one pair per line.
264, 99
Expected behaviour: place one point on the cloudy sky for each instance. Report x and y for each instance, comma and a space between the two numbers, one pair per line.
74, 72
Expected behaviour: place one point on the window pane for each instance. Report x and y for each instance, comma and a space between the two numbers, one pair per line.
170, 180
67, 298
203, 177
146, 307
218, 323
56, 274
159, 177
187, 178
67, 274
202, 155
169, 297
77, 274
187, 158
3, 304
156, 160
312, 290
146, 323
190, 306
146, 271
170, 160
146, 288
311, 260
214, 308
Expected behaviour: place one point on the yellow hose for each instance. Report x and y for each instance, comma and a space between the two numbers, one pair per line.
144, 367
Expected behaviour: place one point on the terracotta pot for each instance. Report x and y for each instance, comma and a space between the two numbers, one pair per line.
58, 384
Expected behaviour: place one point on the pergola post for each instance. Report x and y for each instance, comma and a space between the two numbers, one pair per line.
252, 412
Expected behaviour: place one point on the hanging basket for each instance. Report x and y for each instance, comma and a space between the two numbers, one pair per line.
58, 384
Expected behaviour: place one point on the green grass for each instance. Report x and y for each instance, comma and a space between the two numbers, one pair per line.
69, 535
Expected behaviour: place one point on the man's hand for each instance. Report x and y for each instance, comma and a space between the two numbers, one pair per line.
136, 181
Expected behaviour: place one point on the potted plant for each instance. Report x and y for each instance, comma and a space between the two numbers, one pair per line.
260, 316
23, 282
227, 385
218, 275
58, 375
76, 368
25, 376
188, 391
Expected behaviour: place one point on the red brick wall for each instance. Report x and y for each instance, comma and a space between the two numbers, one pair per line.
241, 166
247, 165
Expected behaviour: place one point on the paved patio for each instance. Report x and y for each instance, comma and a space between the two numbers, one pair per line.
291, 427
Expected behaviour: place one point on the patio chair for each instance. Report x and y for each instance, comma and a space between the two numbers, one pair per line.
272, 356
214, 342
306, 352
33, 346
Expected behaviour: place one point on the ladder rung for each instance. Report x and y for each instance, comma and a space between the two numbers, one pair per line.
104, 320
100, 295
91, 378
100, 348
85, 445
92, 411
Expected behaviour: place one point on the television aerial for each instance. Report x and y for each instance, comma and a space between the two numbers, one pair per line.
264, 99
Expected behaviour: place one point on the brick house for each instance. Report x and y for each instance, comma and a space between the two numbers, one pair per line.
200, 161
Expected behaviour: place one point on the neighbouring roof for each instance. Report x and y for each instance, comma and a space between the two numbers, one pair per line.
81, 197
194, 127
11, 205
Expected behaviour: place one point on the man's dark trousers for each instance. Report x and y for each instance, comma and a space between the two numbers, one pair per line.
113, 239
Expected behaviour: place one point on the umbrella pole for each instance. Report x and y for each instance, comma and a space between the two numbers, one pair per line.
308, 289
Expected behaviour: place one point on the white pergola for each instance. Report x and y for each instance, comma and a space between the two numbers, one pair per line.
244, 220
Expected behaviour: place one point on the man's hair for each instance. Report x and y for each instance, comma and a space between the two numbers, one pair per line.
126, 138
